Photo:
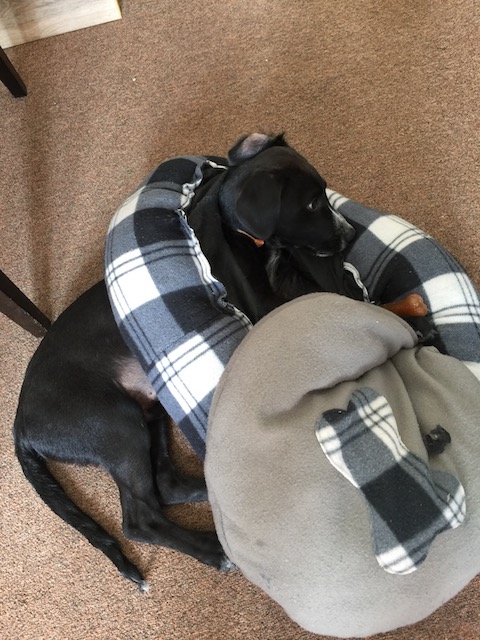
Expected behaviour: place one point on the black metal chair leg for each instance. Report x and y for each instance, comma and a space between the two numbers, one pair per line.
16, 305
10, 78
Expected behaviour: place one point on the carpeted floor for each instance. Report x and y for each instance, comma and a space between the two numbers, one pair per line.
383, 97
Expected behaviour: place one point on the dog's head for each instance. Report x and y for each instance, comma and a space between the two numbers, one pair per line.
273, 193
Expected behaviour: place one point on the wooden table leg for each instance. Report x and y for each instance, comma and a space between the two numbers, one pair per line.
10, 78
16, 305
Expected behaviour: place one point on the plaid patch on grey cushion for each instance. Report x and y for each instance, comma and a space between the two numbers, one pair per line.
395, 258
410, 503
170, 309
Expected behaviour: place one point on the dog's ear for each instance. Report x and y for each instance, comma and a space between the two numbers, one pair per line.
258, 204
251, 145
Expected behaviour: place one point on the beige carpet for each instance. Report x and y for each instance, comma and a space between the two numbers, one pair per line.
383, 97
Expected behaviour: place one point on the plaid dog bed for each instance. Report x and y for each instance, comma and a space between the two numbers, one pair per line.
395, 258
171, 310
174, 315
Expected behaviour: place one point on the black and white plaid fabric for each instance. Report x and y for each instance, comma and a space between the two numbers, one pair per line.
409, 503
170, 309
395, 258
173, 313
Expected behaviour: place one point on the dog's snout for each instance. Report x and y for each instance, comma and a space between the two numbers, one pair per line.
349, 232
345, 232
344, 229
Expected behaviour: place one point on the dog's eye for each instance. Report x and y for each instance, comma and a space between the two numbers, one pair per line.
314, 204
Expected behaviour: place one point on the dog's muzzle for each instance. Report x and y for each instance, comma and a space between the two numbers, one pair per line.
344, 230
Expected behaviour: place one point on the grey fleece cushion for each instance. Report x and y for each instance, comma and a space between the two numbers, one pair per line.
290, 521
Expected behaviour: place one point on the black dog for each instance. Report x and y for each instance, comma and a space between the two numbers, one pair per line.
85, 399
289, 194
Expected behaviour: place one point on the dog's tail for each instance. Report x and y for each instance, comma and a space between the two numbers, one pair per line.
37, 473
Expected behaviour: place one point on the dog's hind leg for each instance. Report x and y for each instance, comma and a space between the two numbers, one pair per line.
130, 465
173, 486
143, 521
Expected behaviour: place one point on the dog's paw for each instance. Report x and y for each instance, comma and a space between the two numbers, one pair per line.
144, 587
227, 566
